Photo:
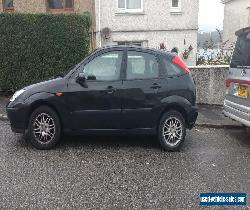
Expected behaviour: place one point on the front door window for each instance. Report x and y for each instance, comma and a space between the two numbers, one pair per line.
105, 67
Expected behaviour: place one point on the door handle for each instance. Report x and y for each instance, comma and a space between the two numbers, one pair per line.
110, 89
155, 86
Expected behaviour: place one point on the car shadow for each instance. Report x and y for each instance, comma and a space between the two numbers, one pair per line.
242, 136
109, 141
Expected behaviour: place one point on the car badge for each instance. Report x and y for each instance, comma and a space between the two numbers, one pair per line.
243, 73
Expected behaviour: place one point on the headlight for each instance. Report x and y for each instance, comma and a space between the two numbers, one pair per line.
16, 94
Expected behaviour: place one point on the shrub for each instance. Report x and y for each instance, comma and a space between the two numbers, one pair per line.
35, 47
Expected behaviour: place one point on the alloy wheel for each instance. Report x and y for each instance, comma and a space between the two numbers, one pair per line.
172, 131
44, 128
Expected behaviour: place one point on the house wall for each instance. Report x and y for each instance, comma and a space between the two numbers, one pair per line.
236, 16
155, 25
40, 6
156, 16
84, 5
153, 38
30, 6
1, 6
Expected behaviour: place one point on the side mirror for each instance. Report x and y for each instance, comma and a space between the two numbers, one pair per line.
81, 79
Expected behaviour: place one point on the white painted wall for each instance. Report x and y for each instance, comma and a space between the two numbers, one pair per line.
236, 16
155, 25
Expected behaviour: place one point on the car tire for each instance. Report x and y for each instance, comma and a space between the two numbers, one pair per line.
44, 128
172, 130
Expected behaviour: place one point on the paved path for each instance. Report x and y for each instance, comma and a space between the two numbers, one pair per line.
122, 172
211, 116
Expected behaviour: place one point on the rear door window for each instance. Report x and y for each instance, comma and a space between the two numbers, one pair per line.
169, 68
142, 65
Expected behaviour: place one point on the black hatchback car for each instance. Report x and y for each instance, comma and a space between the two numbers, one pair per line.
118, 89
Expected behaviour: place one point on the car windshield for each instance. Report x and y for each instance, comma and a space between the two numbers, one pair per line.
241, 56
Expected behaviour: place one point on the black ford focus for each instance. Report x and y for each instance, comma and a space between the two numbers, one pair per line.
115, 90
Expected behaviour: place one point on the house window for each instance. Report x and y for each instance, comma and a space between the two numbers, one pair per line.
8, 5
60, 5
135, 43
175, 3
176, 6
130, 5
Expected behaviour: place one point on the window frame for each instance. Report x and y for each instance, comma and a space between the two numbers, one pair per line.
125, 10
100, 54
175, 9
7, 9
150, 53
63, 9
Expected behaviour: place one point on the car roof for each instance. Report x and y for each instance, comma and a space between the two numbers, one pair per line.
134, 47
242, 31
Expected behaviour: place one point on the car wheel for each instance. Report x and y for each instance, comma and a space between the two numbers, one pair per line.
44, 128
172, 130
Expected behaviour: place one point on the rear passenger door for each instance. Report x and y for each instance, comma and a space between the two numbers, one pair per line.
142, 86
179, 81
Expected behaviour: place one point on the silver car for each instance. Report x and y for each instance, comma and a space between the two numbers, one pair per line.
237, 102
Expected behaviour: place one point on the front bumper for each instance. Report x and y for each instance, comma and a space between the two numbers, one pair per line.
237, 112
17, 115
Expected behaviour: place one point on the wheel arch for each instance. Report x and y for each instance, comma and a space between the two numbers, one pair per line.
40, 103
177, 103
175, 107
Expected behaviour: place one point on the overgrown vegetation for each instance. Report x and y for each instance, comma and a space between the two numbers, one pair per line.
35, 47
220, 56
212, 51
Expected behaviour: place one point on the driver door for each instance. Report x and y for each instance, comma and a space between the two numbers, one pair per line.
97, 104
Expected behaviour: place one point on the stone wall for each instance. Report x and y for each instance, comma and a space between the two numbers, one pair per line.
210, 82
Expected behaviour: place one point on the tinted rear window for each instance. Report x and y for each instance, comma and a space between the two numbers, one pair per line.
241, 56
170, 69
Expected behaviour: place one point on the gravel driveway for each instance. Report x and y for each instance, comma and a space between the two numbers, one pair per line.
126, 172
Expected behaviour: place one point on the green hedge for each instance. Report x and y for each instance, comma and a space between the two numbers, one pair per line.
35, 47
